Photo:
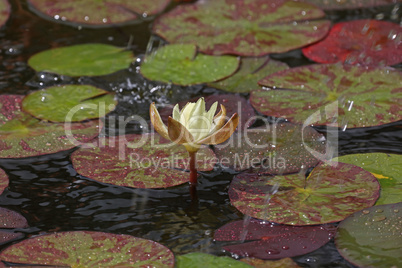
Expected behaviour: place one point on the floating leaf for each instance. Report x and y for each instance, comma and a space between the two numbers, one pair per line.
252, 69
364, 42
201, 260
69, 103
89, 249
372, 237
248, 28
353, 96
97, 13
180, 64
11, 219
275, 149
138, 161
386, 168
3, 180
233, 104
8, 236
4, 11
350, 4
329, 194
22, 135
264, 240
258, 263
82, 60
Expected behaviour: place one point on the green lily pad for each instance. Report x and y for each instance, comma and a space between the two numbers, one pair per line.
329, 194
372, 237
240, 27
89, 249
350, 4
180, 64
201, 260
354, 96
252, 69
141, 161
275, 149
82, 60
3, 180
5, 10
97, 13
22, 135
386, 168
69, 103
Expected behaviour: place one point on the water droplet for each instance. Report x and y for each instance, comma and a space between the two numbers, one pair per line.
365, 211
272, 251
379, 218
285, 247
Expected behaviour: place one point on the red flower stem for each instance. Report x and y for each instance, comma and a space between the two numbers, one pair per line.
193, 169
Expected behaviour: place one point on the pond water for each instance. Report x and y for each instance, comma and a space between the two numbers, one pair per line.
53, 197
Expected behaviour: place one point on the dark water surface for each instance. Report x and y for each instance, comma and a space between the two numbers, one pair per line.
53, 197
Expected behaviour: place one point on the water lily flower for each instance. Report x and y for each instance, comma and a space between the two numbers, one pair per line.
193, 126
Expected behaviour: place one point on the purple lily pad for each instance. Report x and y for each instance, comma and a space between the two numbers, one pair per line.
275, 149
5, 10
138, 161
3, 180
350, 4
242, 27
95, 13
329, 194
264, 240
8, 236
352, 96
372, 237
364, 42
22, 135
89, 249
232, 103
11, 219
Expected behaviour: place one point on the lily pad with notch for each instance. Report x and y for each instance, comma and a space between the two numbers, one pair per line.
22, 135
280, 148
265, 240
82, 60
363, 42
328, 194
69, 103
372, 237
240, 27
180, 64
141, 161
97, 13
88, 249
347, 95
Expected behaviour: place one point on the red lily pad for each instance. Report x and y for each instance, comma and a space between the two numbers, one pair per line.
3, 180
329, 194
97, 13
89, 249
264, 240
11, 219
351, 95
275, 149
242, 27
252, 69
350, 4
141, 161
233, 104
8, 236
372, 237
5, 10
364, 42
22, 135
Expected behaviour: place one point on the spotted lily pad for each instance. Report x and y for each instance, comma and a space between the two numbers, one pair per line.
180, 64
3, 180
275, 149
240, 27
350, 4
69, 103
82, 60
201, 260
10, 219
22, 135
329, 194
97, 13
4, 11
252, 69
141, 161
352, 96
364, 42
264, 240
372, 237
89, 249
386, 168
